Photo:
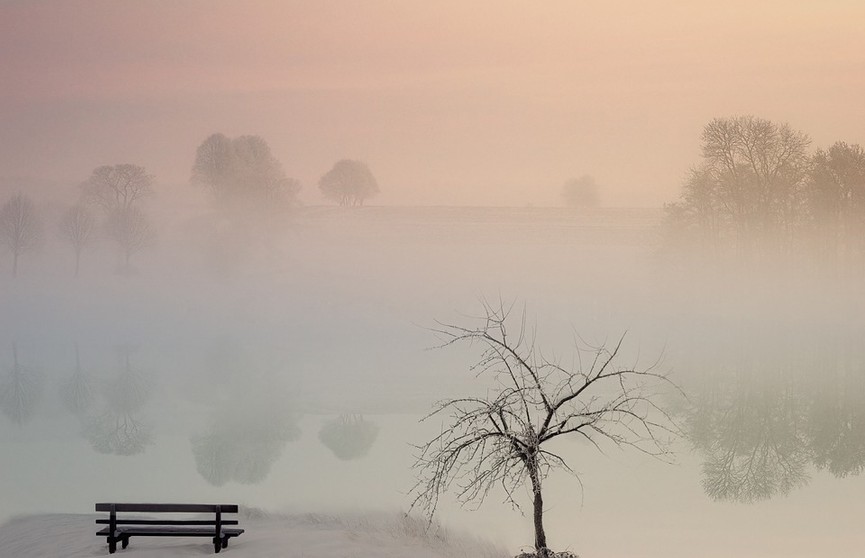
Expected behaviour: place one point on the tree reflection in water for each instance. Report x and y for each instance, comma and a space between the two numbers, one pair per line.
348, 436
117, 433
117, 429
77, 392
837, 425
766, 420
20, 390
244, 438
753, 441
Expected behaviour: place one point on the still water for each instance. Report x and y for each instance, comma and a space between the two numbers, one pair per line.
297, 383
629, 506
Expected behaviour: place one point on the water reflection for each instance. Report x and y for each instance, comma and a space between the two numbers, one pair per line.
118, 429
77, 392
348, 436
837, 426
245, 437
20, 390
752, 439
765, 419
117, 433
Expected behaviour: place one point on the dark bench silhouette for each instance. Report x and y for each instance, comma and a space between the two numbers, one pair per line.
122, 529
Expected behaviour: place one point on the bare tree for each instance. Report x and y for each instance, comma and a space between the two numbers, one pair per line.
116, 188
348, 183
759, 167
503, 439
20, 228
132, 232
836, 198
693, 224
749, 187
77, 226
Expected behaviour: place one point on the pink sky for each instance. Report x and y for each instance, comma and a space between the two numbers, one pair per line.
470, 102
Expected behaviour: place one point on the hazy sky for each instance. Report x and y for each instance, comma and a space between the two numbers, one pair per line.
464, 102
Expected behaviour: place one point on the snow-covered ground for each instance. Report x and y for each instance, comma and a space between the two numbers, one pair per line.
307, 536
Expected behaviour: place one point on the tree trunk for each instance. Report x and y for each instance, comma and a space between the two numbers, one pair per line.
538, 511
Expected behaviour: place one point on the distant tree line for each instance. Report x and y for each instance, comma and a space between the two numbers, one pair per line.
109, 203
759, 191
241, 175
243, 172
116, 191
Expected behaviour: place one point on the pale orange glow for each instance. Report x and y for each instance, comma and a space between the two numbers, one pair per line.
449, 102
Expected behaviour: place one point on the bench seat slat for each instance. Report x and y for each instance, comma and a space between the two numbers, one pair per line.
167, 531
166, 522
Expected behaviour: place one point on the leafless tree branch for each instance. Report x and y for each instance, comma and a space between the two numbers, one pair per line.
500, 440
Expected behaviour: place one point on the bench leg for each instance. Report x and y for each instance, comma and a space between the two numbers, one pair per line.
124, 542
112, 545
217, 545
225, 542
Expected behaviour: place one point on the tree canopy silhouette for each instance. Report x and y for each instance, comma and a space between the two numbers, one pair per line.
242, 172
348, 183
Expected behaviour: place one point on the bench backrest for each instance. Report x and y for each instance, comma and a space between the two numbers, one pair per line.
216, 509
167, 508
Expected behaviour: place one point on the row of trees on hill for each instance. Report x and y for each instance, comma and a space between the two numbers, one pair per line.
116, 191
241, 175
759, 191
242, 172
110, 198
20, 230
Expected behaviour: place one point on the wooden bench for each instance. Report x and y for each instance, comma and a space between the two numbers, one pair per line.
122, 529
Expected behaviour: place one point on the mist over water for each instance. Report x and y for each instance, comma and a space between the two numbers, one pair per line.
228, 229
285, 366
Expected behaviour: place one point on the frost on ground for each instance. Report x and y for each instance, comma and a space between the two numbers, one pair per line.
379, 535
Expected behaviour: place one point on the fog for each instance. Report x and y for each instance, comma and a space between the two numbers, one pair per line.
293, 374
235, 328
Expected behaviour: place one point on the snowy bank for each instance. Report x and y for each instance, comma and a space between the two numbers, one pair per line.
370, 535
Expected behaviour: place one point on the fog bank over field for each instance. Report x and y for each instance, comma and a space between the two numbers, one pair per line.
592, 269
285, 365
